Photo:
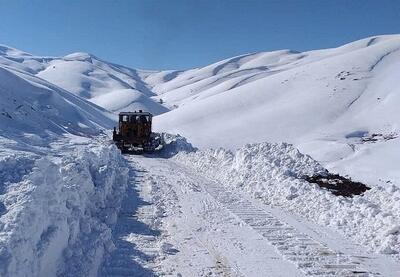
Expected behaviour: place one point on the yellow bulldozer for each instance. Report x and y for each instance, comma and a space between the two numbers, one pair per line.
134, 133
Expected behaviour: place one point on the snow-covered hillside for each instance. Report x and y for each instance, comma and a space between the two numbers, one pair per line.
32, 109
111, 86
338, 105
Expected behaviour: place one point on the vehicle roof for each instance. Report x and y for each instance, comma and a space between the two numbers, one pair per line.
135, 113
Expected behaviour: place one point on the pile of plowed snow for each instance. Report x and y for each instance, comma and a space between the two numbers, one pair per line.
56, 216
274, 173
174, 144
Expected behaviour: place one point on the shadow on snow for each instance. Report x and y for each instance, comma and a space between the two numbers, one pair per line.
127, 259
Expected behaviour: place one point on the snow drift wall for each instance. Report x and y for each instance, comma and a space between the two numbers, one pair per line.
57, 218
273, 173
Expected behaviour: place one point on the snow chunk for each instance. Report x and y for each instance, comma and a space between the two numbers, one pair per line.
174, 144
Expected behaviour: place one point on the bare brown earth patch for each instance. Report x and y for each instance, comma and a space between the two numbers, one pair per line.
338, 185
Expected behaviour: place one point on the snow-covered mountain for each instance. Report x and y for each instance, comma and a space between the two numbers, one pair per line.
338, 105
32, 109
111, 86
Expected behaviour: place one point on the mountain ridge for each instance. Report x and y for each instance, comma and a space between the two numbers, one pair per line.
314, 99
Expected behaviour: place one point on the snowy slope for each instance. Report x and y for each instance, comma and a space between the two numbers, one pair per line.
33, 108
329, 103
88, 77
114, 87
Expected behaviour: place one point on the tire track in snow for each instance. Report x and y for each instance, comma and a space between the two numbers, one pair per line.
208, 239
135, 238
310, 256
164, 190
142, 241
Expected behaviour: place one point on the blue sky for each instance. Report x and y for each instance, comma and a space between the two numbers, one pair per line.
172, 34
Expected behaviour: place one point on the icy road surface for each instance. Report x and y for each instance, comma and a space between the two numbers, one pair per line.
177, 223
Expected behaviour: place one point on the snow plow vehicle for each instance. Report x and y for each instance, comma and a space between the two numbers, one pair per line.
134, 133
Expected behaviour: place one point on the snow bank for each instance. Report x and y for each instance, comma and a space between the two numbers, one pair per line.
174, 144
273, 173
57, 215
13, 167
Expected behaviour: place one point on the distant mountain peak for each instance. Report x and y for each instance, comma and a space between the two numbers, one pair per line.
81, 56
10, 51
